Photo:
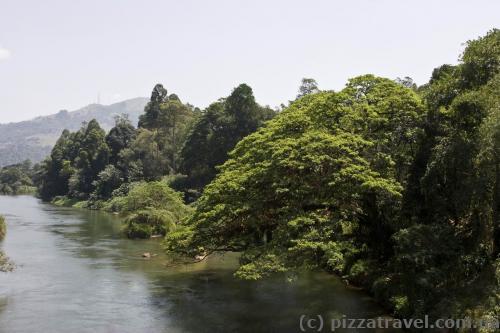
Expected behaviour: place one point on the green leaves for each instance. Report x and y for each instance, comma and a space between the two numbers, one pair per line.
3, 228
17, 179
153, 208
162, 133
287, 190
481, 60
75, 162
217, 131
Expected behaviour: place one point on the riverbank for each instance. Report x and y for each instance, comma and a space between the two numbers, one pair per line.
64, 201
361, 283
80, 274
3, 228
5, 264
149, 209
476, 302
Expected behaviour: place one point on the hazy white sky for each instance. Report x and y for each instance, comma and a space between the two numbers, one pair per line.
60, 54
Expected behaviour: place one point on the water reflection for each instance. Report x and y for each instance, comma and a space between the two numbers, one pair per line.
79, 274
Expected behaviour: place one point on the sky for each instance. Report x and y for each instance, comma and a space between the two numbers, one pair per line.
58, 55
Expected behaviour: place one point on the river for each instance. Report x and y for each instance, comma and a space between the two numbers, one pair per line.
76, 272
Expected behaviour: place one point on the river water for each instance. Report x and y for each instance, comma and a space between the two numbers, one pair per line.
77, 273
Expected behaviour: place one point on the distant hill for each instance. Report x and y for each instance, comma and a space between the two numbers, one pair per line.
33, 139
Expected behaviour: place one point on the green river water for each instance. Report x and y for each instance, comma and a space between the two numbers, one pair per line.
76, 272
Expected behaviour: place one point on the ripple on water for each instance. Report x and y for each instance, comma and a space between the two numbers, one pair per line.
78, 273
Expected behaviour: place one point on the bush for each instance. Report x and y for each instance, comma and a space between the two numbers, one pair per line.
401, 305
5, 264
144, 195
3, 228
149, 222
363, 272
6, 189
65, 201
25, 189
137, 230
153, 209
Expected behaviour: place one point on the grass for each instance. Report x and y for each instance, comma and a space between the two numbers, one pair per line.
64, 201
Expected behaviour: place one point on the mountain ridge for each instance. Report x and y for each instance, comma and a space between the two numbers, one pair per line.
33, 139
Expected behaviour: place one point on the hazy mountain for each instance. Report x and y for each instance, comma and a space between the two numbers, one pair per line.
33, 139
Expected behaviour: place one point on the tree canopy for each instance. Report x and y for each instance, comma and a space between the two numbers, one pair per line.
394, 186
217, 131
331, 162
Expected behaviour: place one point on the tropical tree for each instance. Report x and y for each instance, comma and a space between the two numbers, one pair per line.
217, 131
152, 111
318, 185
308, 86
120, 137
92, 158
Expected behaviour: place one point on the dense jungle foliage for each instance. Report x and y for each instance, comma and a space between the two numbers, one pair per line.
17, 179
94, 169
392, 186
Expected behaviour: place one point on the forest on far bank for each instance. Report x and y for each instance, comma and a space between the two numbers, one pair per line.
394, 187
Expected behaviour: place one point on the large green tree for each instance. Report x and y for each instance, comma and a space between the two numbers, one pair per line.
453, 190
144, 159
217, 131
92, 158
307, 86
120, 137
152, 110
53, 177
318, 185
74, 163
167, 120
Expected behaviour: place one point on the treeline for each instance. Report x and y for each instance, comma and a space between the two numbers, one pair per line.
18, 179
392, 186
174, 140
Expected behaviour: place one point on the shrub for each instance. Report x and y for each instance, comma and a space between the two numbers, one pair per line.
149, 222
401, 305
5, 264
3, 228
153, 209
363, 272
144, 195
